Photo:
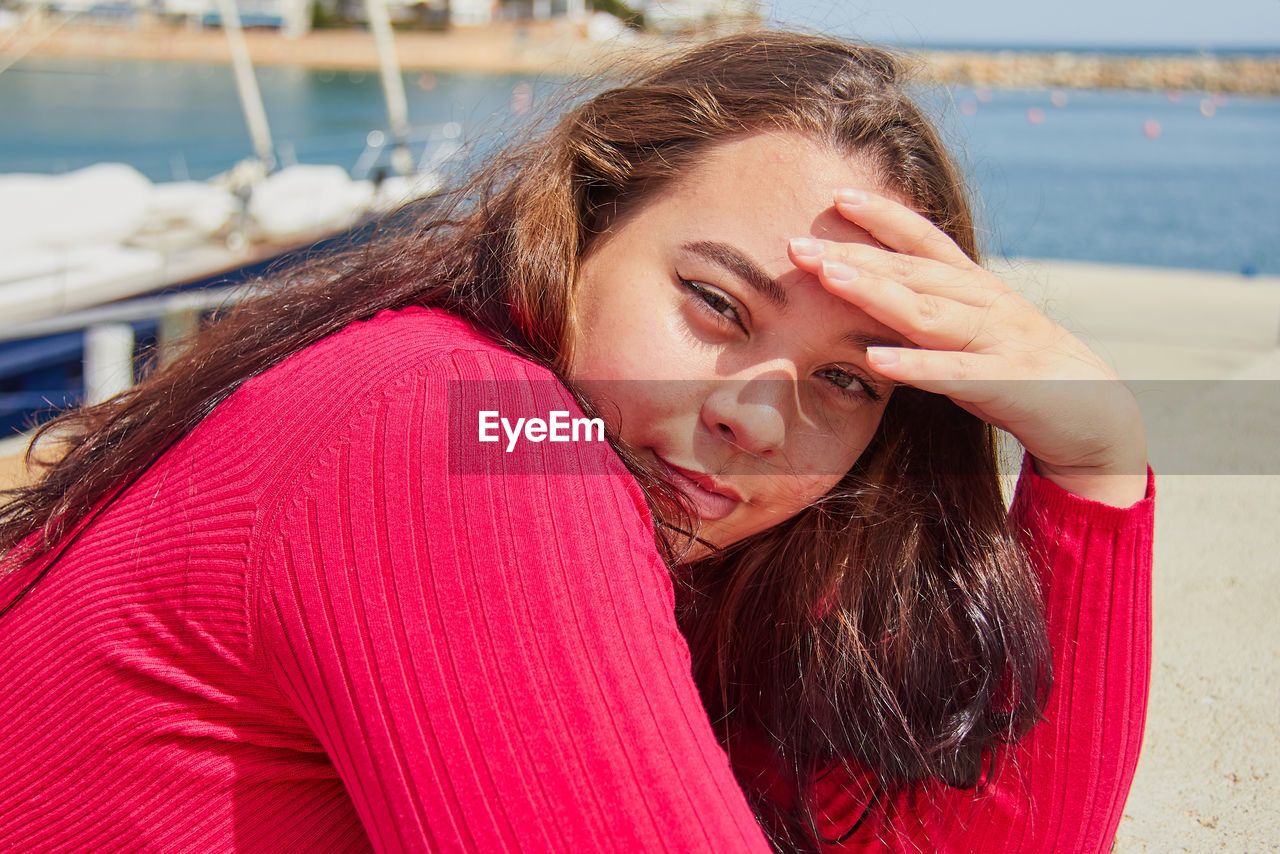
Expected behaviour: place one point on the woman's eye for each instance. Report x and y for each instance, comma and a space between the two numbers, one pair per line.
718, 303
849, 384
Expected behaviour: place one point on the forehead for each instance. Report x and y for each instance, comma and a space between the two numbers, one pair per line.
767, 188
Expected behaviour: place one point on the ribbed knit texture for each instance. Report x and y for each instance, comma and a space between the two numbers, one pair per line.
307, 628
1062, 787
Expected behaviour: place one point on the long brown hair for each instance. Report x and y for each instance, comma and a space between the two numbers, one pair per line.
894, 627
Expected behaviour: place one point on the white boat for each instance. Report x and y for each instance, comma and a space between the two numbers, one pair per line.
73, 246
107, 232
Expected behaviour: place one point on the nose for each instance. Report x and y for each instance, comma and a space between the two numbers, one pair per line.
750, 414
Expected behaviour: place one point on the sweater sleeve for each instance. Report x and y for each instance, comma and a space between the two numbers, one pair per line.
483, 642
1063, 786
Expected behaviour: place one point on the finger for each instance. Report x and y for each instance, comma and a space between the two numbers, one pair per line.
926, 319
923, 275
973, 380
898, 227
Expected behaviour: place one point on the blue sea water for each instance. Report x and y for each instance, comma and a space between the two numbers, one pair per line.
1089, 183
1116, 177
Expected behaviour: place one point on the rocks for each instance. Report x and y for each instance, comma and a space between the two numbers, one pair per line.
1252, 75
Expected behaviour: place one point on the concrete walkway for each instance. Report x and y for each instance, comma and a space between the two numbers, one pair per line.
1200, 351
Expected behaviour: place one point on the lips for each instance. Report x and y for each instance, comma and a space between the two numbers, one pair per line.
711, 500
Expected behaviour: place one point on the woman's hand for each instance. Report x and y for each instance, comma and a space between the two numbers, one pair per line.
984, 346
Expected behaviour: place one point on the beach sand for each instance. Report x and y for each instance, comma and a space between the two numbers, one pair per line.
1189, 342
1200, 351
559, 46
556, 46
1209, 776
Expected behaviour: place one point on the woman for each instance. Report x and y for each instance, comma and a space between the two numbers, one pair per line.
328, 581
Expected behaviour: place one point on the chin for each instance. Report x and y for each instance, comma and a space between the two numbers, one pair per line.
706, 541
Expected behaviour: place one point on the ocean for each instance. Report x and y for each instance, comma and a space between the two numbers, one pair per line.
1178, 179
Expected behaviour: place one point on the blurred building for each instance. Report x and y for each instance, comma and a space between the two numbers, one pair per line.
481, 12
471, 13
296, 17
668, 15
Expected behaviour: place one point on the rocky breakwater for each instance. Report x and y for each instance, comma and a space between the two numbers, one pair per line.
1241, 75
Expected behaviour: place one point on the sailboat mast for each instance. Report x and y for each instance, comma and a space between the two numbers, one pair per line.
392, 85
255, 114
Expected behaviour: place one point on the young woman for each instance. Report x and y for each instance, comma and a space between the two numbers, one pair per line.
348, 575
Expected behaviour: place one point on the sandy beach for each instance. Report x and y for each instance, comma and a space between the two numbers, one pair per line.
1209, 776
561, 47
555, 47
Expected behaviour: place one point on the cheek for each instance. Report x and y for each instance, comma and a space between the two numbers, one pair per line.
827, 452
625, 332
777, 497
638, 408
798, 493
639, 371
823, 462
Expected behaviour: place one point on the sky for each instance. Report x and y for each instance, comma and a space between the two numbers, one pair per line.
1164, 23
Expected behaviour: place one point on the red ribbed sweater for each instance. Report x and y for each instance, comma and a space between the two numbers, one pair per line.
313, 625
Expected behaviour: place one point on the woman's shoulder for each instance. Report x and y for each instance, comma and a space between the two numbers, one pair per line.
392, 343
333, 376
413, 360
420, 404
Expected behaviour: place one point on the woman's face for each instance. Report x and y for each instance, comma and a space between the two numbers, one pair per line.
712, 355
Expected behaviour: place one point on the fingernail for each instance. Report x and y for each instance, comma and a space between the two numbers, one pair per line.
852, 198
882, 356
805, 247
834, 271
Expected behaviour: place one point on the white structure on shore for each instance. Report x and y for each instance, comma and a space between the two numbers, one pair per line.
479, 13
294, 17
471, 13
681, 14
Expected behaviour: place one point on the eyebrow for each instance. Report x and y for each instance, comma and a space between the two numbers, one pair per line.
862, 340
731, 259
726, 256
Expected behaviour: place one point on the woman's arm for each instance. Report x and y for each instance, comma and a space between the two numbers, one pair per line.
997, 356
490, 659
1063, 786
